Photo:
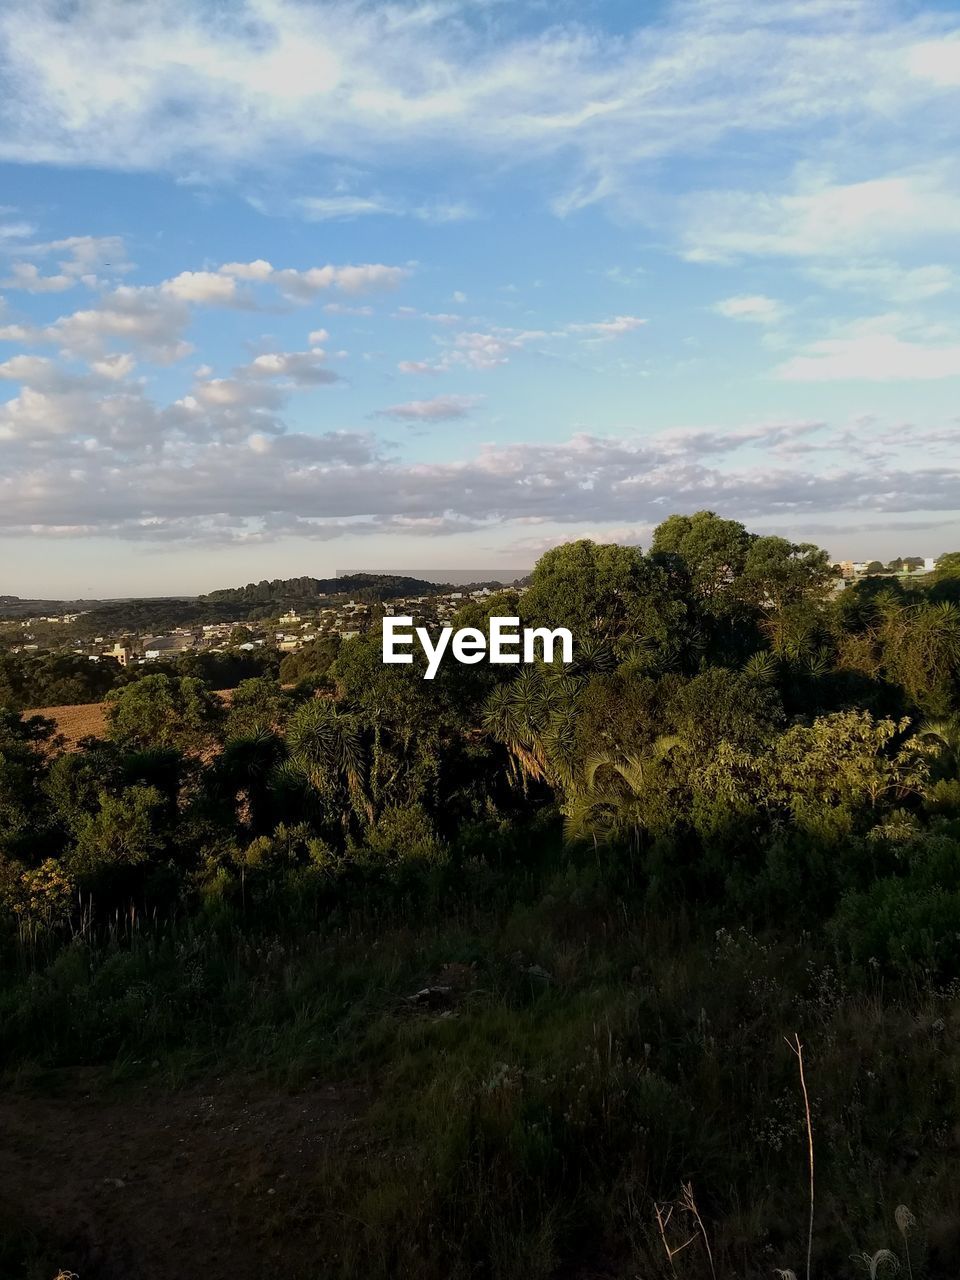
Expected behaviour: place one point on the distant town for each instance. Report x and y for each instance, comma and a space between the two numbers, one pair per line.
287, 631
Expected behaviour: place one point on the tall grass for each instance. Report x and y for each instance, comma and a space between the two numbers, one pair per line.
594, 1058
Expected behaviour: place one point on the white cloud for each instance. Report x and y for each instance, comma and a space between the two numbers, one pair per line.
210, 287
614, 328
304, 368
257, 270
756, 307
16, 230
116, 367
26, 368
153, 319
79, 258
342, 309
138, 316
821, 219
162, 476
325, 208
886, 278
439, 409
872, 357
486, 350
304, 285
443, 211
233, 392
936, 60
26, 276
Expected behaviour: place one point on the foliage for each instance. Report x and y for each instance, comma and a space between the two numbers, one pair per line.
164, 711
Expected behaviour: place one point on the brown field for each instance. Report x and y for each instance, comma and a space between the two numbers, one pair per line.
85, 719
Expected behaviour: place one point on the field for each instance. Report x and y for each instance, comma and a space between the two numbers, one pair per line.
81, 720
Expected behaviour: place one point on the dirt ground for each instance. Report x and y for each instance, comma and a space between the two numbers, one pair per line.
210, 1183
84, 719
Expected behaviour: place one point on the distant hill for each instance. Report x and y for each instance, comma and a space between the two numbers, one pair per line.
15, 607
290, 592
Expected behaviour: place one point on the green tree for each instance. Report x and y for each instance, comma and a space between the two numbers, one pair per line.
612, 595
585, 586
327, 749
312, 663
123, 832
777, 573
713, 552
258, 703
165, 711
25, 819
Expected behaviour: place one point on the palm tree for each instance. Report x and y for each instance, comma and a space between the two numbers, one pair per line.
247, 767
533, 716
943, 737
609, 805
326, 747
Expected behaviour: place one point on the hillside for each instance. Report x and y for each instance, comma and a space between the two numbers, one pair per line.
289, 592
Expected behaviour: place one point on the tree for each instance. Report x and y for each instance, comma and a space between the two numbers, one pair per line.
874, 567
777, 573
326, 747
258, 703
609, 594
713, 552
25, 819
534, 716
240, 634
585, 586
312, 663
244, 775
165, 711
124, 831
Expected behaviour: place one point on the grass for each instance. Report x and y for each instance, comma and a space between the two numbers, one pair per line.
588, 1064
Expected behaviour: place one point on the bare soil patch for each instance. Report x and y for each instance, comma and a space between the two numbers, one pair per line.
211, 1183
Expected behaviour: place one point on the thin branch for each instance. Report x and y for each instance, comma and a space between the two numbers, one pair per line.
796, 1048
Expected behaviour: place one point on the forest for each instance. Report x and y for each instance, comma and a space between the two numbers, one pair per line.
642, 965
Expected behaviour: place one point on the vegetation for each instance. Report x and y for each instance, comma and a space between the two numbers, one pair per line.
58, 679
283, 593
558, 923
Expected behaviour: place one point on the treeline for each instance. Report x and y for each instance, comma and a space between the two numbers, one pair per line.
15, 607
58, 679
282, 593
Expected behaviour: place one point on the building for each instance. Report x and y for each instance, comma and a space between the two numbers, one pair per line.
122, 653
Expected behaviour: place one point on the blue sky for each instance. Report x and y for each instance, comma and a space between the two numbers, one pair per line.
288, 287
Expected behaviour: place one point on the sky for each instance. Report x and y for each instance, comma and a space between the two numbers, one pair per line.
288, 286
